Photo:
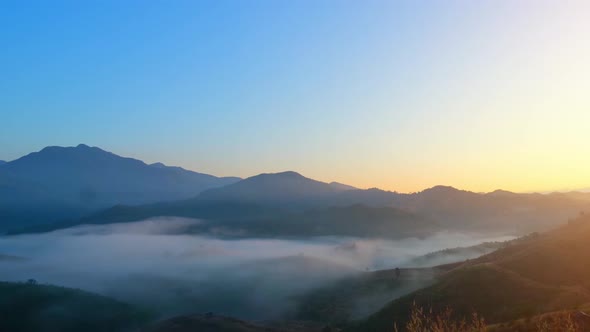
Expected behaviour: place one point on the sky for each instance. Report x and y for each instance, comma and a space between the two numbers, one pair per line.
400, 95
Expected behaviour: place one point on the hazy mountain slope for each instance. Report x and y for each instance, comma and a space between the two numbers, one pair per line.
453, 255
110, 180
341, 186
539, 274
498, 210
370, 197
278, 202
91, 175
2, 162
83, 178
358, 296
293, 190
249, 219
285, 189
43, 308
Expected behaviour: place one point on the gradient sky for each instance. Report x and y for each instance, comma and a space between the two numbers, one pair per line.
401, 95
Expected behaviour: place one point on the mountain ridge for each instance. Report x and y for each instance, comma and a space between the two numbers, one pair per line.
73, 181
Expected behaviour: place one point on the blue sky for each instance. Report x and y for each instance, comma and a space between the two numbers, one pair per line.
394, 94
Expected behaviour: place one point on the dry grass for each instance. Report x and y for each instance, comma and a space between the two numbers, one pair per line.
422, 320
429, 321
564, 322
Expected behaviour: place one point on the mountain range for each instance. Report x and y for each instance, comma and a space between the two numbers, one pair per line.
64, 182
61, 187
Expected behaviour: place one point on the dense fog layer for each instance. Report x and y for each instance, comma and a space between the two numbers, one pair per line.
155, 263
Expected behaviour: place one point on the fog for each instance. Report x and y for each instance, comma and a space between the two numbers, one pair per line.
156, 264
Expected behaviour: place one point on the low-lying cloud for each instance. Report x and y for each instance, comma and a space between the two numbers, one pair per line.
156, 264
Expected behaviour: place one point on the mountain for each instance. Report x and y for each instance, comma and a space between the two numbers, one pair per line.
283, 189
2, 162
69, 183
495, 211
537, 274
288, 203
75, 180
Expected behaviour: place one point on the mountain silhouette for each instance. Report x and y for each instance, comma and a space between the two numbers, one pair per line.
285, 188
84, 178
65, 186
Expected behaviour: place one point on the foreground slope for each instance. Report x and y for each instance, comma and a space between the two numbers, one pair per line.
215, 323
43, 308
541, 273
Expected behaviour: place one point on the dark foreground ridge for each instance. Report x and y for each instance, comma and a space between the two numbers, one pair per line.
30, 307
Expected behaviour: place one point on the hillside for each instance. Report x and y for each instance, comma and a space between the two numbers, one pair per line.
538, 274
358, 296
222, 218
28, 307
453, 255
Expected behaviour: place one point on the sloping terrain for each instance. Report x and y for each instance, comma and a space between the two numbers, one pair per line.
542, 273
230, 218
27, 307
357, 297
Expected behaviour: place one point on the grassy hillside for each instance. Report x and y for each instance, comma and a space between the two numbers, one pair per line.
539, 274
42, 308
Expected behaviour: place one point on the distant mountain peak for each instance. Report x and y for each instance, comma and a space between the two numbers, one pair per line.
441, 189
292, 174
158, 165
286, 186
501, 192
78, 148
86, 177
277, 177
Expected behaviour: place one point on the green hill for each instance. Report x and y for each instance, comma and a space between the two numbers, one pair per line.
26, 307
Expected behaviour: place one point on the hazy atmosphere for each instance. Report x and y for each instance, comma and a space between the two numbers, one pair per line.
294, 166
192, 272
